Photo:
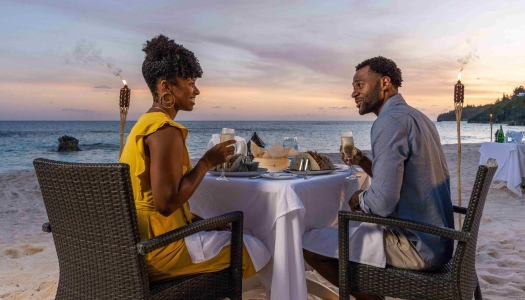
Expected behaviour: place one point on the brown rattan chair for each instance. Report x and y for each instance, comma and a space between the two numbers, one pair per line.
92, 217
455, 280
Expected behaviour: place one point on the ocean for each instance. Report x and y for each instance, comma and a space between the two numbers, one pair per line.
23, 141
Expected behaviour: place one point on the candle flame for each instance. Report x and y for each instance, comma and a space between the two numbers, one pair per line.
124, 82
459, 76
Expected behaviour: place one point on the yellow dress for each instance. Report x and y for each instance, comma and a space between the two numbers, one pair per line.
174, 259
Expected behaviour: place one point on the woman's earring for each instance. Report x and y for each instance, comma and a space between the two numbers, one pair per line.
170, 104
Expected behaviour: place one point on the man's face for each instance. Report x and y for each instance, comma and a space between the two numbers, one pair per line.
367, 91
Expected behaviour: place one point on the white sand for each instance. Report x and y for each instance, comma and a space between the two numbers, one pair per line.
29, 267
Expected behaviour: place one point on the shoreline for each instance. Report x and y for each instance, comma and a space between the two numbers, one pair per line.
30, 266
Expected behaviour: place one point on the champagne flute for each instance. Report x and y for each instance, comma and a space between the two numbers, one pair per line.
347, 143
227, 134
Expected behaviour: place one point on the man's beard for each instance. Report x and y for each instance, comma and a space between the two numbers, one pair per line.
372, 101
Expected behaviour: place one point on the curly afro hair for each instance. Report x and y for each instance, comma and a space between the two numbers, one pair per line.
384, 67
167, 60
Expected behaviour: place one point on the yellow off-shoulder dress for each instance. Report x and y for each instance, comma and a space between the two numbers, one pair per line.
173, 260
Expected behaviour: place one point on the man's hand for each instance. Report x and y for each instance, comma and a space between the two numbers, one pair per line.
354, 201
356, 159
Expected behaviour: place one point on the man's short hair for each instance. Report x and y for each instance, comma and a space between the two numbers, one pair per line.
383, 67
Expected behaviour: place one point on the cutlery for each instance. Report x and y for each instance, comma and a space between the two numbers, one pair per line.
255, 177
306, 166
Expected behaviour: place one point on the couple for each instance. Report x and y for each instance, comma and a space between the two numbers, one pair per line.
410, 179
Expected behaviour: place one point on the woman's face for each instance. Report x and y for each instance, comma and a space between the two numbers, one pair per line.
185, 93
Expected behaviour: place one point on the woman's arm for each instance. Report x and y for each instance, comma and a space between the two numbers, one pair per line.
170, 188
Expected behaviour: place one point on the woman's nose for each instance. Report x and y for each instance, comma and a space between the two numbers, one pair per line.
196, 91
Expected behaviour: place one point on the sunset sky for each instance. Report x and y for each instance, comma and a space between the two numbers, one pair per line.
262, 60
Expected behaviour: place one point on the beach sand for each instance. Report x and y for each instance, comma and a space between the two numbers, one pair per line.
29, 266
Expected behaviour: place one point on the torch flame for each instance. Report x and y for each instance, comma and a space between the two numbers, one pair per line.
459, 76
124, 82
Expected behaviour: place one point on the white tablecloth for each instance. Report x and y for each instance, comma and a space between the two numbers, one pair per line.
511, 162
278, 212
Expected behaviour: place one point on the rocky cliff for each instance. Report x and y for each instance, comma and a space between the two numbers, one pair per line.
510, 110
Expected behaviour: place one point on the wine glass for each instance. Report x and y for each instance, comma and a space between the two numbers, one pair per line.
347, 144
227, 134
290, 142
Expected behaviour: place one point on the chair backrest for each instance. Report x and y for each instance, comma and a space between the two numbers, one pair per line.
92, 215
463, 269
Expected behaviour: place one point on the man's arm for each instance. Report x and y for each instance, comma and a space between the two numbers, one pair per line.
390, 147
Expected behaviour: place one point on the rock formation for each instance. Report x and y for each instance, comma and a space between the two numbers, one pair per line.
67, 143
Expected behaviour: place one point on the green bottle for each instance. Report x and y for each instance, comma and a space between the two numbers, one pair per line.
501, 135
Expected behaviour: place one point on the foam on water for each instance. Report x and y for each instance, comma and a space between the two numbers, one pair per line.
23, 141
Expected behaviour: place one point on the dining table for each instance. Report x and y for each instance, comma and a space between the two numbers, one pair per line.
278, 212
511, 162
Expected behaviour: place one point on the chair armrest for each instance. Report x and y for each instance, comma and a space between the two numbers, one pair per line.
236, 218
46, 227
419, 226
460, 210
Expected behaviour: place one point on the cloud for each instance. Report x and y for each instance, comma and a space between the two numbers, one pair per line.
233, 107
342, 107
101, 87
216, 107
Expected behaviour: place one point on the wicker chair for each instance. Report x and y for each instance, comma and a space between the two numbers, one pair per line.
92, 217
455, 280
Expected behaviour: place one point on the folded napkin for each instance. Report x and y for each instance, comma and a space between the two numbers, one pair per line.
241, 143
516, 136
278, 151
366, 245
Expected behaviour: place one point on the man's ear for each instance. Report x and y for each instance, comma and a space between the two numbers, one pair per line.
385, 83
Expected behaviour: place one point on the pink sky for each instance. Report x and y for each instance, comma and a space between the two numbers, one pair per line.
264, 60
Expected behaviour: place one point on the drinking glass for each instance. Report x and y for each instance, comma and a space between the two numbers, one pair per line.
347, 144
227, 134
290, 142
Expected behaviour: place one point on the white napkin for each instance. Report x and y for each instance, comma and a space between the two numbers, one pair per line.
241, 143
366, 243
256, 150
278, 151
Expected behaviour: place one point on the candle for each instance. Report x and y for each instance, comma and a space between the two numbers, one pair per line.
125, 94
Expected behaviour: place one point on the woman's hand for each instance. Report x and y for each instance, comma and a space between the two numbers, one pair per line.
356, 159
219, 153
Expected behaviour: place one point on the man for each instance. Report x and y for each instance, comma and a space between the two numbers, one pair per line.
410, 177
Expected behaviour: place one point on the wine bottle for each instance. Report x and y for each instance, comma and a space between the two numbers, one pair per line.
501, 135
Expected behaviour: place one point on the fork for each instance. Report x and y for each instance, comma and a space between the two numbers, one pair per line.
306, 166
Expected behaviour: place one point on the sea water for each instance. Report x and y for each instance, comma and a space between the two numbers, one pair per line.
23, 141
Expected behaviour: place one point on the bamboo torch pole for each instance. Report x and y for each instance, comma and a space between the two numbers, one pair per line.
125, 94
459, 91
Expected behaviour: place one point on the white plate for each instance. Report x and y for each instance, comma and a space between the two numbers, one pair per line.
259, 171
279, 176
341, 167
320, 172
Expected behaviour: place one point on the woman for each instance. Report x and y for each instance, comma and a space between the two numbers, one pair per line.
162, 176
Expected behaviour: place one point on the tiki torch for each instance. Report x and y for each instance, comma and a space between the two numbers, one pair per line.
459, 93
125, 93
491, 122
